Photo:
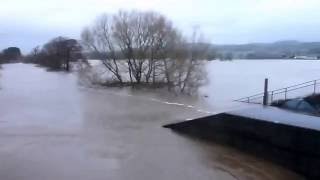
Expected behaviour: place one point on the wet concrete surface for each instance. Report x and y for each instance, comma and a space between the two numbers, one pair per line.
52, 128
284, 137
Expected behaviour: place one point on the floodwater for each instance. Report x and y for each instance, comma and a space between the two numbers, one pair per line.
51, 128
230, 80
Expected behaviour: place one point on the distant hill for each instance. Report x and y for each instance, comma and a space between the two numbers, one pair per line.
276, 50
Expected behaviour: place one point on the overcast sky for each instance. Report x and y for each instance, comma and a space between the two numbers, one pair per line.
27, 23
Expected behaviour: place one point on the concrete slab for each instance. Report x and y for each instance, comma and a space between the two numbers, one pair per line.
280, 116
284, 137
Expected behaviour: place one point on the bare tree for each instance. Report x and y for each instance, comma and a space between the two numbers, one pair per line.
124, 34
154, 51
194, 70
71, 52
99, 39
56, 54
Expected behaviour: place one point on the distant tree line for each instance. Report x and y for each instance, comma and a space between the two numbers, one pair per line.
276, 50
57, 54
145, 48
9, 55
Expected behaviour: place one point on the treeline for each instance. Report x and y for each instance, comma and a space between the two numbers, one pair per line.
151, 49
57, 54
10, 55
276, 50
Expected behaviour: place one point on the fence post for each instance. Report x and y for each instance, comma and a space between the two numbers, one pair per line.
265, 95
285, 93
315, 87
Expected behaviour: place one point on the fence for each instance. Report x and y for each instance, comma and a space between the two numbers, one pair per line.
268, 97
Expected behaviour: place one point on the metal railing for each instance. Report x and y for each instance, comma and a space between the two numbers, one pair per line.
282, 93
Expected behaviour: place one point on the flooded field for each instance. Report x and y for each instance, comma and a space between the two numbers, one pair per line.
52, 128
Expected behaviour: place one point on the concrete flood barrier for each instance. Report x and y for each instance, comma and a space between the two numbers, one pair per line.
286, 138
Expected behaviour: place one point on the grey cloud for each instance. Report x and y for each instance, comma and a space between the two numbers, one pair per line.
33, 22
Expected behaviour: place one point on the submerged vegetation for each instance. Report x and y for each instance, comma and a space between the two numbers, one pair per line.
57, 54
144, 48
135, 48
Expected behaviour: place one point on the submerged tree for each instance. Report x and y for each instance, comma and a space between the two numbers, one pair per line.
56, 54
11, 54
144, 48
99, 40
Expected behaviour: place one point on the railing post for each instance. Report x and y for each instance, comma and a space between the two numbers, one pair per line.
315, 87
285, 93
265, 94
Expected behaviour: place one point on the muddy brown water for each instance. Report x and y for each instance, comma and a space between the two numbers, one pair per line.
52, 128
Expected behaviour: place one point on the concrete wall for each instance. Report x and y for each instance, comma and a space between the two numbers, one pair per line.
295, 148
